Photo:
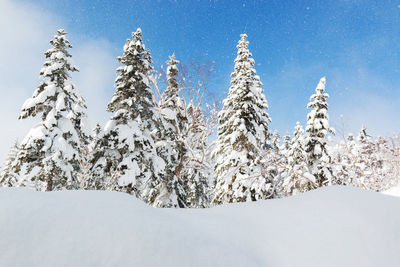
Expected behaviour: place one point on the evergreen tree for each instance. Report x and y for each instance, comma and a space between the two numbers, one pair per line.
318, 158
384, 166
7, 176
374, 168
81, 123
181, 142
80, 120
130, 153
275, 142
285, 146
242, 131
197, 176
344, 163
297, 179
97, 161
170, 146
49, 155
364, 151
282, 166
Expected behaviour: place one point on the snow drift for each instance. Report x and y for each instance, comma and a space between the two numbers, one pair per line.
333, 226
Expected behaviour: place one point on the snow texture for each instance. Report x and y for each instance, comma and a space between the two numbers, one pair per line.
331, 226
394, 191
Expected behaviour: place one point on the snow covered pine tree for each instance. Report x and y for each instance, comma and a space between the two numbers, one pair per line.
285, 146
297, 178
373, 167
7, 176
97, 161
49, 155
129, 154
242, 132
342, 159
318, 159
197, 173
170, 145
181, 142
197, 166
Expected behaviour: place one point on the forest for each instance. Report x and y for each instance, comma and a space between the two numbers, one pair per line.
170, 145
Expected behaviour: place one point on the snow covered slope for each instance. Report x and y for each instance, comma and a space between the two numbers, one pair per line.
334, 226
394, 191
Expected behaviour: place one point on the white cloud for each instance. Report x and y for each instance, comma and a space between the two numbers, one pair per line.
25, 32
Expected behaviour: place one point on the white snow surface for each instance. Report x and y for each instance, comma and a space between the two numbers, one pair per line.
394, 191
333, 226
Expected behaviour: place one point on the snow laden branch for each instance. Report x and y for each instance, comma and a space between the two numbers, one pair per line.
187, 129
159, 143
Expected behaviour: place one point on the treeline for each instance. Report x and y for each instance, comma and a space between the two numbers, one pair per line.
156, 144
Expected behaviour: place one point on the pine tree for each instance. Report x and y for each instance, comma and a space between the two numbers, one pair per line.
7, 176
297, 179
49, 155
81, 123
80, 120
97, 161
384, 165
170, 146
242, 131
318, 158
181, 142
364, 151
129, 148
281, 162
344, 163
197, 176
285, 146
275, 142
374, 168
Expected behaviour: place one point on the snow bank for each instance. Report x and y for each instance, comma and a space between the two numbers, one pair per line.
394, 191
333, 226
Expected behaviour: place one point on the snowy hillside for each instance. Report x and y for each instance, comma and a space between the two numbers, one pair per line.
394, 191
334, 226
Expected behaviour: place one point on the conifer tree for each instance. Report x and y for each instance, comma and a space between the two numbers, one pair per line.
384, 165
181, 142
49, 155
285, 146
97, 161
275, 142
318, 159
169, 191
373, 166
344, 163
242, 131
80, 120
364, 151
129, 148
7, 176
197, 176
281, 169
297, 179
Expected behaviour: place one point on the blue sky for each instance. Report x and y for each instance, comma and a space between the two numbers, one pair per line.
355, 44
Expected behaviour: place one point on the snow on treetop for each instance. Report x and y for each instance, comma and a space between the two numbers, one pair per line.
172, 62
61, 32
321, 85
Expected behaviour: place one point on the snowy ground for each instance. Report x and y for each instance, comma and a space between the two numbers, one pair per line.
333, 226
395, 191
